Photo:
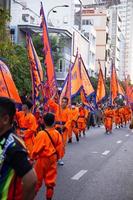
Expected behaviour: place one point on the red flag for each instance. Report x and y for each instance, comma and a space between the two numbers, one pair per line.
35, 69
113, 84
101, 92
7, 86
50, 70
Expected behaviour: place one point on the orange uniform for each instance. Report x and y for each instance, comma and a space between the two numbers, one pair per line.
82, 119
74, 113
108, 119
62, 118
121, 113
127, 114
117, 118
47, 151
28, 126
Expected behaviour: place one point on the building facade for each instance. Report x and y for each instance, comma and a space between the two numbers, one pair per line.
115, 35
126, 11
99, 19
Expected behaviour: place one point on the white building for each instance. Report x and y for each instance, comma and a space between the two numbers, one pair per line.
115, 35
126, 11
99, 19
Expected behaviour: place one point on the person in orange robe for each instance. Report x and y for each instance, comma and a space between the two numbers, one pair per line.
47, 149
108, 119
127, 113
62, 120
117, 119
27, 125
121, 114
82, 122
74, 112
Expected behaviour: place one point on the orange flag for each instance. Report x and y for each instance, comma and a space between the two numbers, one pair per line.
35, 69
100, 93
76, 81
113, 84
73, 82
7, 86
66, 90
121, 90
129, 93
88, 88
50, 70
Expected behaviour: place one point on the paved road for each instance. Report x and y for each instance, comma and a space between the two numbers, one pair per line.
100, 167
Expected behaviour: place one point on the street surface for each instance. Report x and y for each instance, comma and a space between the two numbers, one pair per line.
100, 167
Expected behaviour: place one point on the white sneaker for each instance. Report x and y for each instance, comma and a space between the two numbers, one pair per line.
60, 162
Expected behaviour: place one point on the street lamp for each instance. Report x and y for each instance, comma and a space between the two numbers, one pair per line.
52, 9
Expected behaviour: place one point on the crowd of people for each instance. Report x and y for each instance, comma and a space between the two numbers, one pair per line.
31, 145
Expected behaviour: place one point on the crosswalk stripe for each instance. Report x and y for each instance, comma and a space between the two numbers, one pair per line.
79, 175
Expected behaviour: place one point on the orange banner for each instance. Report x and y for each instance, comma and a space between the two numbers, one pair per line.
7, 86
66, 91
113, 85
50, 69
88, 88
100, 93
121, 90
35, 69
76, 81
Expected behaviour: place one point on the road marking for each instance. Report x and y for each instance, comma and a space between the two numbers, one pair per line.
127, 135
119, 142
94, 152
105, 152
79, 175
132, 131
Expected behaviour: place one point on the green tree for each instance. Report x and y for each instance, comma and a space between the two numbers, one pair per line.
14, 56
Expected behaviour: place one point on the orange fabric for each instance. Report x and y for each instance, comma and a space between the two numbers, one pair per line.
61, 115
7, 85
121, 113
29, 123
108, 119
82, 119
117, 118
74, 113
43, 145
47, 156
50, 69
46, 170
101, 91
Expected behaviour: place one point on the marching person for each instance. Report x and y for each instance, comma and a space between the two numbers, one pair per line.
47, 150
27, 125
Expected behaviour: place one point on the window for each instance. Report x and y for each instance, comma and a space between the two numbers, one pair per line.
61, 66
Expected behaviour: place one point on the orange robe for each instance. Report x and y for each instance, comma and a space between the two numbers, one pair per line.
47, 155
82, 119
62, 118
121, 113
117, 118
28, 126
108, 119
74, 113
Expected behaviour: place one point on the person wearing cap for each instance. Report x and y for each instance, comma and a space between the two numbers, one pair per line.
47, 150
